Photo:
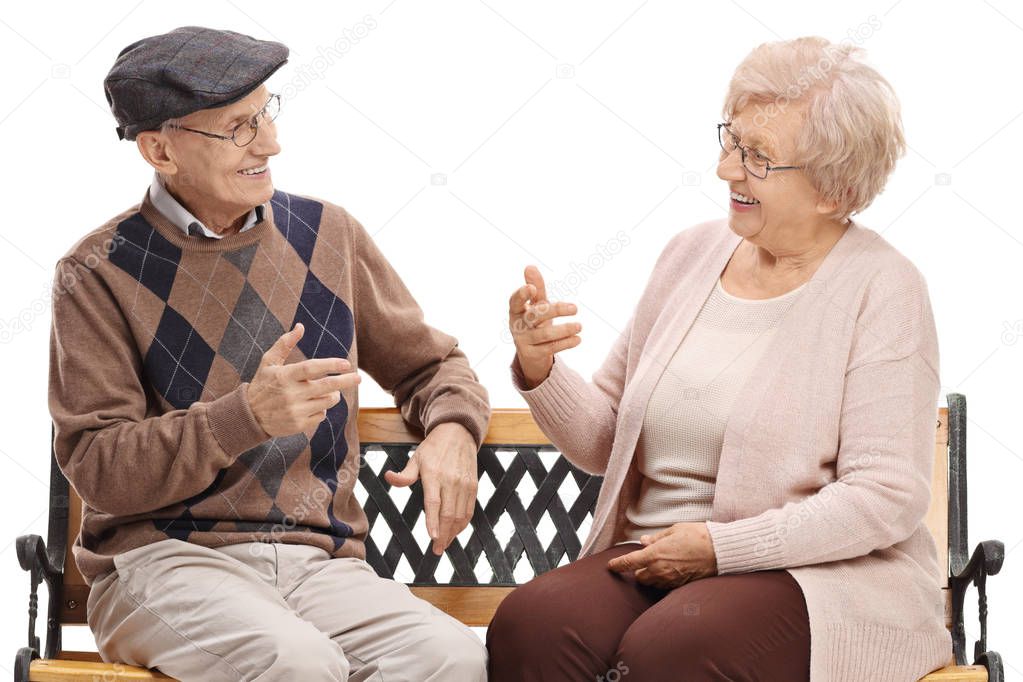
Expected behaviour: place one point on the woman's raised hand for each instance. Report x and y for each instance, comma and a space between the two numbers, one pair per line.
537, 338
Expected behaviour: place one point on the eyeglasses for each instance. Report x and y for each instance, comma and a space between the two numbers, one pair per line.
245, 132
753, 161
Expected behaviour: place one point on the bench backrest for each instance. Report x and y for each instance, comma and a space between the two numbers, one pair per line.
533, 512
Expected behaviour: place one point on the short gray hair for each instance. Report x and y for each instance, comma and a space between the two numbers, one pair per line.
852, 134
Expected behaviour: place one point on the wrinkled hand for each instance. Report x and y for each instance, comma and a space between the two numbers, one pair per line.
446, 462
672, 557
537, 338
294, 398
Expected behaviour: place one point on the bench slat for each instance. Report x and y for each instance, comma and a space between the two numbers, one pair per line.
958, 673
63, 670
89, 668
474, 606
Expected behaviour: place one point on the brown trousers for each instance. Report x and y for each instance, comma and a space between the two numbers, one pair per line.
585, 622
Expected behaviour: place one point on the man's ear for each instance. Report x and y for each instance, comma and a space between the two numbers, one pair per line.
155, 149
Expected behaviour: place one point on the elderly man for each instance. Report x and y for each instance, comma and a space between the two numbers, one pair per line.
203, 386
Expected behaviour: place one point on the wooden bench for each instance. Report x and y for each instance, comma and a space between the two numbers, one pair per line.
533, 506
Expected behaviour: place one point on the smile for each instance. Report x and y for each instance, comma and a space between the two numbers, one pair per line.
258, 170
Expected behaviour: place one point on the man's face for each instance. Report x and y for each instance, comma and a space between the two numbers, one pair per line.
209, 172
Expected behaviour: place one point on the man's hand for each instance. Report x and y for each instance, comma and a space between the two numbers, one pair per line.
446, 462
287, 399
672, 557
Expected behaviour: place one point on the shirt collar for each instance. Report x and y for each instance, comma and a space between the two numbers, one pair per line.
171, 208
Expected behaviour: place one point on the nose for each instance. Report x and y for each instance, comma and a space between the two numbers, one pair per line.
266, 143
730, 166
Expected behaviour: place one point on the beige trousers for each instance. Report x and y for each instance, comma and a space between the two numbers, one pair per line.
258, 611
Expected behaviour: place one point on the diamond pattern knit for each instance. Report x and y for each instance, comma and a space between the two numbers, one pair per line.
155, 338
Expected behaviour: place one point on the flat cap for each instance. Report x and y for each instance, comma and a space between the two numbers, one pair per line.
190, 68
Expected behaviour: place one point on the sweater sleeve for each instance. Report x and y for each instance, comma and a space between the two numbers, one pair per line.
886, 446
423, 368
579, 417
119, 460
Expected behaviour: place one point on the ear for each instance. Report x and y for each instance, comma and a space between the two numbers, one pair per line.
156, 150
828, 206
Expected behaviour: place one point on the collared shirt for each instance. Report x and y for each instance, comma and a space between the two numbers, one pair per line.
172, 209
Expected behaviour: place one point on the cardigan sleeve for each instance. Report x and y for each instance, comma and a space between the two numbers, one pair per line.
422, 367
580, 417
886, 445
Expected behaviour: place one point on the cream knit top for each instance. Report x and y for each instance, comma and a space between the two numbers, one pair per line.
683, 429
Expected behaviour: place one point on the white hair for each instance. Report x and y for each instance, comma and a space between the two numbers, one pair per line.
851, 135
169, 124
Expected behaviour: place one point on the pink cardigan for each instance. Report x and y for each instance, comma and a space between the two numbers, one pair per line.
826, 464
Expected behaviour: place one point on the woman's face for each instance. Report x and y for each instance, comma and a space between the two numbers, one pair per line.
786, 201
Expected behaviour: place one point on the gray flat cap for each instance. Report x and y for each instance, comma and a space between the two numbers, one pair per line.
188, 69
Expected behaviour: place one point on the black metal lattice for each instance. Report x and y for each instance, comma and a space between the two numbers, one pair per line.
548, 472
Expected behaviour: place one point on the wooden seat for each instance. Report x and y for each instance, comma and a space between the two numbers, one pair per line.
91, 669
533, 506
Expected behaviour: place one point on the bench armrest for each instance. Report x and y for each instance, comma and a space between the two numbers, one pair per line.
32, 557
987, 559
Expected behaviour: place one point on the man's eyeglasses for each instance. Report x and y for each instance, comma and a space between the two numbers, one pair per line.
753, 161
245, 132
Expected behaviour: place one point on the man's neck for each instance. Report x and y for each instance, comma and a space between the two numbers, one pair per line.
223, 228
223, 224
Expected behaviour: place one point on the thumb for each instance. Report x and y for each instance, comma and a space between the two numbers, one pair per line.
278, 353
407, 476
631, 561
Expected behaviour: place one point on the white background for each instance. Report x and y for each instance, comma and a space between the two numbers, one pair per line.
472, 138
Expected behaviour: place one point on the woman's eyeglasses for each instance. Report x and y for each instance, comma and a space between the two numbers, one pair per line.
753, 161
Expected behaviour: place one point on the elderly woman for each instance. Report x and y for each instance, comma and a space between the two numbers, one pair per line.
764, 424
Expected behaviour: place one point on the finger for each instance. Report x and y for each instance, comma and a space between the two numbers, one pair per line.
652, 578
314, 420
316, 368
519, 299
661, 534
534, 277
282, 347
316, 388
558, 346
651, 539
643, 576
539, 314
631, 561
449, 517
431, 505
557, 332
464, 506
405, 477
470, 503
331, 382
322, 403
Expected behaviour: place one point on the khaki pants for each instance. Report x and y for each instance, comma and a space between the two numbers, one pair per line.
257, 611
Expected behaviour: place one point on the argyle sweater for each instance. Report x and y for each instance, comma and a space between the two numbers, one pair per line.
155, 337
